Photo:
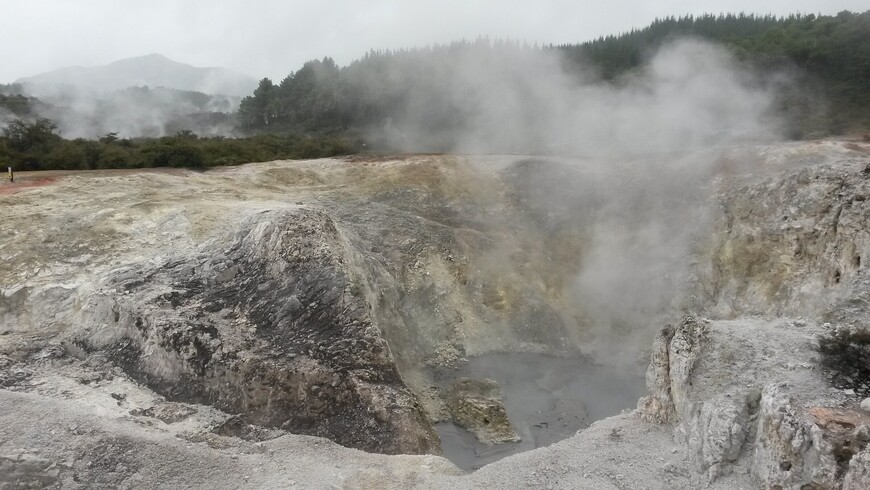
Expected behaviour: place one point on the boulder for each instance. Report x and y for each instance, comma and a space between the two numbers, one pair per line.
477, 406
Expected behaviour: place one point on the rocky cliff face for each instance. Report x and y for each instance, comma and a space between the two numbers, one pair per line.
791, 244
311, 298
748, 396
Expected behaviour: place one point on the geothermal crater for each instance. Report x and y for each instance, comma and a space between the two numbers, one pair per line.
546, 398
193, 328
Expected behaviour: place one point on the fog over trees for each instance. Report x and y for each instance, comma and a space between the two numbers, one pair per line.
811, 73
819, 65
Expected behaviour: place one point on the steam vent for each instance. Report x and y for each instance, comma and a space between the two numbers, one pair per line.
441, 321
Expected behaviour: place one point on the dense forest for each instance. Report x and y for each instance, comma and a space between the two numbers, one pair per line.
818, 67
826, 58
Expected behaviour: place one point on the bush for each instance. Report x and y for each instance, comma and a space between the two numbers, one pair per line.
114, 156
177, 156
846, 356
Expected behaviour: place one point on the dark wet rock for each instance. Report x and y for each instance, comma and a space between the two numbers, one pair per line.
236, 427
477, 406
267, 328
12, 376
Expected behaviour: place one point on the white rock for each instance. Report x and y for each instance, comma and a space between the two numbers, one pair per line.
865, 405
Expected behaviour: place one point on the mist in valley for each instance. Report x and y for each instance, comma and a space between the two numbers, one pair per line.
142, 97
137, 112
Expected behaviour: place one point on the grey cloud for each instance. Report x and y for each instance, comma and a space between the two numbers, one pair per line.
271, 37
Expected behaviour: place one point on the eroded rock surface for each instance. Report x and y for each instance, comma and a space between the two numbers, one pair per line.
781, 421
476, 405
268, 326
793, 244
858, 476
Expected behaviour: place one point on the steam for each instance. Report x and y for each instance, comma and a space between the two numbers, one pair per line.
638, 265
509, 99
135, 111
684, 111
646, 147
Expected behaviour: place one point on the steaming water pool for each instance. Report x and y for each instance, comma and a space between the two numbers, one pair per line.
547, 399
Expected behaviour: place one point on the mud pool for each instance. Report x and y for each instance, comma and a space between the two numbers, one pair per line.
547, 399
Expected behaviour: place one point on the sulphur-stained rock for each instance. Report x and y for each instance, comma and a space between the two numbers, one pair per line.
291, 294
794, 244
476, 405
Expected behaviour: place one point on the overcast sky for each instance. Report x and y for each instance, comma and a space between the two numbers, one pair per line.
273, 37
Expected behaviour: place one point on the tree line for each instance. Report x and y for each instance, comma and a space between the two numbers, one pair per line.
826, 58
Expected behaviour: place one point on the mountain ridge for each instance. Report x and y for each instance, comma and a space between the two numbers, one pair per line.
152, 70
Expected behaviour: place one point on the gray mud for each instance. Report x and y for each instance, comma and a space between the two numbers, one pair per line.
547, 398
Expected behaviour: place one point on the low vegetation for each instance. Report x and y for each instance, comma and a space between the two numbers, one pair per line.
37, 145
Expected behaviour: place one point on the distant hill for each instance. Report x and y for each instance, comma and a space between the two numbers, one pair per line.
153, 70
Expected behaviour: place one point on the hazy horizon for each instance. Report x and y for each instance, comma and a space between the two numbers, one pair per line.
272, 38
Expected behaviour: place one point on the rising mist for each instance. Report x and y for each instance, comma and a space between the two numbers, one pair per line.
643, 150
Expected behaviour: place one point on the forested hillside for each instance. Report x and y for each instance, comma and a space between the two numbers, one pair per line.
820, 65
827, 56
